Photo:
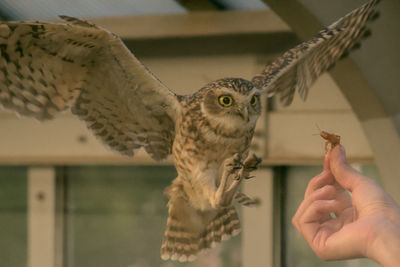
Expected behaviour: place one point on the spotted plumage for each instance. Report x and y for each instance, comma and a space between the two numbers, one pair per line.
298, 68
46, 68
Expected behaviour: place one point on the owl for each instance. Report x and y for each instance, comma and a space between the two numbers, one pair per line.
46, 68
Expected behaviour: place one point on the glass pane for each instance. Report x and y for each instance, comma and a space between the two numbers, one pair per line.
297, 252
115, 216
13, 216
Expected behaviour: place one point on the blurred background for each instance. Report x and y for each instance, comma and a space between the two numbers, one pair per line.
66, 201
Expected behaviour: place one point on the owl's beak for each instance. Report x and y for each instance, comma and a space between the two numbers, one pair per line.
243, 112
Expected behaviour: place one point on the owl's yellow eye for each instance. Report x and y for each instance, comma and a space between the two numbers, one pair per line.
225, 100
254, 100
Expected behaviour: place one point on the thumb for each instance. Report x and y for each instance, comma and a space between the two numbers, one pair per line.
344, 174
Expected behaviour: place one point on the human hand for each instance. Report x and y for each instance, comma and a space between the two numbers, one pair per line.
366, 222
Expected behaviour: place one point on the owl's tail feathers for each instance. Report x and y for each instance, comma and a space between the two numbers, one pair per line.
178, 243
225, 225
245, 200
189, 231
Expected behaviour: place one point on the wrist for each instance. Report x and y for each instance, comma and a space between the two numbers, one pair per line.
385, 248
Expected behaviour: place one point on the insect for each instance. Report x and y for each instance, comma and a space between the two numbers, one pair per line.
46, 68
331, 139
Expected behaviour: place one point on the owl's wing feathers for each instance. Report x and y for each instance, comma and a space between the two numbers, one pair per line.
299, 67
46, 68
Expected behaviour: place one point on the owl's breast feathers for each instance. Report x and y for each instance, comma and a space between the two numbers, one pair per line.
200, 141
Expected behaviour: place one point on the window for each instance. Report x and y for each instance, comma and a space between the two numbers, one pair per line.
13, 216
116, 215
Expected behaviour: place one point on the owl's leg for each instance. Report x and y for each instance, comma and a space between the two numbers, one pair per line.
250, 164
224, 194
231, 166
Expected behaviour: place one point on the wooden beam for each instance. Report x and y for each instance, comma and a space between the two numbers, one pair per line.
41, 216
202, 33
300, 20
193, 24
213, 45
258, 228
58, 142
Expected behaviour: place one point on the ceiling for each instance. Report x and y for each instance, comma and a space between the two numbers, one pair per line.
50, 9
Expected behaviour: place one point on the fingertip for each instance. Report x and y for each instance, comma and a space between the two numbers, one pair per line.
318, 181
327, 161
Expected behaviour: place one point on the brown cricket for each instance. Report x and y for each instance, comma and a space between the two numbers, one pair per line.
331, 138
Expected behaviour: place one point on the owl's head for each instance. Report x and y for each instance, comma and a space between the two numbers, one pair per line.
231, 100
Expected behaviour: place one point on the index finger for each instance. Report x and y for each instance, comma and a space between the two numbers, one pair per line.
320, 180
326, 160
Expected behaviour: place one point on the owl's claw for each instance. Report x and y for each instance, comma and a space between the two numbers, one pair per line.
234, 163
236, 177
242, 169
251, 163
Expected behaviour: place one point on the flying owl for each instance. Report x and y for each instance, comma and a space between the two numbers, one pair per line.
46, 68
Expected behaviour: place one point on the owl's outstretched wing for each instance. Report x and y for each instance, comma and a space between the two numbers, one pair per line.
46, 68
301, 66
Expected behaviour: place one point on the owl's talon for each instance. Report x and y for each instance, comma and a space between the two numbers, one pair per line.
236, 177
251, 163
234, 169
237, 159
234, 164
